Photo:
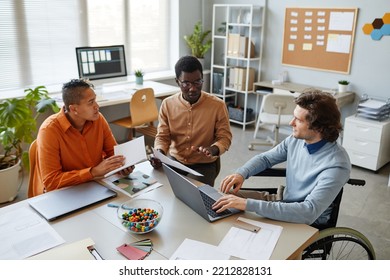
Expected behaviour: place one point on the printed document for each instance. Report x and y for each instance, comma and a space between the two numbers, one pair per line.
196, 250
249, 245
132, 185
23, 233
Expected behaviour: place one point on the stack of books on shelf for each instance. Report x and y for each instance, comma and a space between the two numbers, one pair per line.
374, 109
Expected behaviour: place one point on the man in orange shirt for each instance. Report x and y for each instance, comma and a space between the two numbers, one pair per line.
75, 145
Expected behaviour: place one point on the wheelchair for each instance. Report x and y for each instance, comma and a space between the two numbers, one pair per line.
333, 242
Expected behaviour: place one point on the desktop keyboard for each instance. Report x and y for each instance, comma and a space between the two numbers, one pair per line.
208, 202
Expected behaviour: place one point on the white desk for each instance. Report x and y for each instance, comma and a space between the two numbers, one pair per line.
119, 93
100, 223
342, 99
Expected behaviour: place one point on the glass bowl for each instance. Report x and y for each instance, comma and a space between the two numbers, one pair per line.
140, 215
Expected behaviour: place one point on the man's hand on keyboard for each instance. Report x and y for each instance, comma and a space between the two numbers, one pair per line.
229, 201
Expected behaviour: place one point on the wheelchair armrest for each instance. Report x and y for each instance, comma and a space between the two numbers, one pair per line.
272, 172
356, 182
269, 190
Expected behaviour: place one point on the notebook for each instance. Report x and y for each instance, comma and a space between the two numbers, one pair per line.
198, 198
58, 203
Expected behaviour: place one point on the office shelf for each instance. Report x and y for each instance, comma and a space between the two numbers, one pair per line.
236, 54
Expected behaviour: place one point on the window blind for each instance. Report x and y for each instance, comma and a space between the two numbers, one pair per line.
38, 38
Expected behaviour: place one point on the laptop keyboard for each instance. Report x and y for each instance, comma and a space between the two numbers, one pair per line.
208, 202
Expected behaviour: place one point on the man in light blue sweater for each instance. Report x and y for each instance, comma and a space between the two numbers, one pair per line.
317, 166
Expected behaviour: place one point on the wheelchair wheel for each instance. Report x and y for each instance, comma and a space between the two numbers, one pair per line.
340, 243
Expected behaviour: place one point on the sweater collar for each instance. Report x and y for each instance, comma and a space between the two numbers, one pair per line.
312, 148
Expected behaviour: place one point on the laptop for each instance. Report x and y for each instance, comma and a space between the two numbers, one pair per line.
58, 203
198, 198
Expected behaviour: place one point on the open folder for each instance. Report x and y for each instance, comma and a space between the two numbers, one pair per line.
79, 250
134, 152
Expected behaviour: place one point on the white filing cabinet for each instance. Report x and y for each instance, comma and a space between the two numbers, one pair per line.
367, 142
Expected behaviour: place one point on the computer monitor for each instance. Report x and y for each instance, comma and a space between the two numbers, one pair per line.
103, 62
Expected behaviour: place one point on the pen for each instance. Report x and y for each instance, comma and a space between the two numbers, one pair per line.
114, 205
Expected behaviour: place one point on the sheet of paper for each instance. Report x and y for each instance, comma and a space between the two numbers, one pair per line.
250, 245
338, 43
174, 163
196, 250
134, 152
341, 21
23, 233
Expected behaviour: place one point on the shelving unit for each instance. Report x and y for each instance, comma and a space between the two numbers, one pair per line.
238, 21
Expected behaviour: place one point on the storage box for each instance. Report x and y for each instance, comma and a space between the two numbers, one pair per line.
237, 78
238, 46
238, 113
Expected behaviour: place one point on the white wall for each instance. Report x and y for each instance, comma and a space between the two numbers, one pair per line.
370, 67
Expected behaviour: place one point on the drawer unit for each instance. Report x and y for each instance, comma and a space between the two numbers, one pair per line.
360, 144
285, 92
367, 142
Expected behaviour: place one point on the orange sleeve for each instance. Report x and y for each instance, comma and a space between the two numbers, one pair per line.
67, 156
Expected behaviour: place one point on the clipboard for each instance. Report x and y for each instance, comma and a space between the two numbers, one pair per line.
79, 250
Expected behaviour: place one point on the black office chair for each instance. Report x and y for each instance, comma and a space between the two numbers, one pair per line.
333, 243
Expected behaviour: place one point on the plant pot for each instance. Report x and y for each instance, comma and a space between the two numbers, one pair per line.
343, 88
201, 60
139, 80
11, 180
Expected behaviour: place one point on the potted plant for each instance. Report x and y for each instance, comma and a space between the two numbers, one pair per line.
17, 128
197, 41
139, 77
343, 85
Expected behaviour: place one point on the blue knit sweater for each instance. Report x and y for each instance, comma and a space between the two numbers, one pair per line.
312, 181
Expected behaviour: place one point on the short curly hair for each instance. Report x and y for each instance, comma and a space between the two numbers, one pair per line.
72, 91
323, 114
188, 64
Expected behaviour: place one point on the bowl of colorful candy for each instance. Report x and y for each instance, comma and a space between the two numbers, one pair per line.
140, 215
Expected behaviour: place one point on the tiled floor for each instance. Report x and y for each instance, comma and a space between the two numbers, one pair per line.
366, 209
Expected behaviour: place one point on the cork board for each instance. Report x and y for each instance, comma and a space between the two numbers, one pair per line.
319, 38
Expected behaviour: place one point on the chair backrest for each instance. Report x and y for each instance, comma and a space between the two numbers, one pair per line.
336, 205
34, 187
143, 108
334, 214
273, 102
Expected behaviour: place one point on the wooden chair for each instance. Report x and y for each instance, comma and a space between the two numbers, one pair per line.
143, 112
37, 189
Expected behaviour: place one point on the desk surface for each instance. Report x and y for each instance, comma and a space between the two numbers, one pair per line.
119, 93
342, 99
100, 223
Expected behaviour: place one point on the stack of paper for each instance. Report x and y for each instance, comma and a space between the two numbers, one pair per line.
247, 239
374, 109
